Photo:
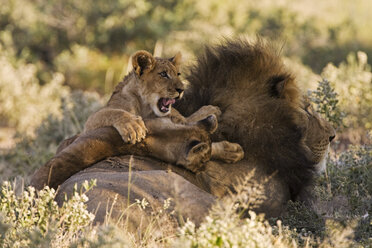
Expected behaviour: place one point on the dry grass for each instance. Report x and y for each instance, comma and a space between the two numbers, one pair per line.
33, 219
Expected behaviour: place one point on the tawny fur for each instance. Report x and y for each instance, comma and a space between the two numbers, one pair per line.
262, 109
136, 98
187, 146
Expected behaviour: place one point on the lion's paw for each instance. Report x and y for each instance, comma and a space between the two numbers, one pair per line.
227, 152
132, 130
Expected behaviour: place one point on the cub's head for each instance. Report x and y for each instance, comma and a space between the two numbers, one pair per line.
188, 146
158, 81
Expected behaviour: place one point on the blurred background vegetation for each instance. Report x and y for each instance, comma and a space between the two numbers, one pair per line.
61, 59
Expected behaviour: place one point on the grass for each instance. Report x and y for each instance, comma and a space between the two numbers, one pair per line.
32, 218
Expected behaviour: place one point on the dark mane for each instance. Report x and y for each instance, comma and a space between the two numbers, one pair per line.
259, 100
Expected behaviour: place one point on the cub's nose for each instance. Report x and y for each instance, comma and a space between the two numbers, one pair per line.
332, 138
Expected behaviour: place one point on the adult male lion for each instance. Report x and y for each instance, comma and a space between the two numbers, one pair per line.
262, 110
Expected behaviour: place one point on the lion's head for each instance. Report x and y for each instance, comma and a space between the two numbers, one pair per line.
318, 134
158, 81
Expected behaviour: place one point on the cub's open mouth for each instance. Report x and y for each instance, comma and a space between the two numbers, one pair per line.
164, 104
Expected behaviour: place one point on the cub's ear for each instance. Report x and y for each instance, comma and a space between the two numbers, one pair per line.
142, 62
210, 124
284, 86
176, 60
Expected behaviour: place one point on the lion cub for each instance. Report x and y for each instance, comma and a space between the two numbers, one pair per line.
148, 91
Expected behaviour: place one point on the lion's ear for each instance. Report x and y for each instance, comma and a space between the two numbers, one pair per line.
209, 124
284, 86
176, 60
142, 62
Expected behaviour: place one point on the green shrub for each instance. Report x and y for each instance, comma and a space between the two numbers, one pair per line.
75, 110
31, 153
90, 69
345, 191
105, 236
42, 30
32, 218
326, 103
24, 102
301, 227
224, 227
352, 80
230, 232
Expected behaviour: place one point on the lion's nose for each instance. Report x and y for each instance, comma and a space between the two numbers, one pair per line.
331, 138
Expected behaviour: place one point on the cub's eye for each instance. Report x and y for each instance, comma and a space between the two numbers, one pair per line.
164, 74
178, 74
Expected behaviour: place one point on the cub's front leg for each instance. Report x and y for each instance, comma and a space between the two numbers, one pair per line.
131, 127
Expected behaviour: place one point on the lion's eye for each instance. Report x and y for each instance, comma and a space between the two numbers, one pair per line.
164, 74
308, 109
178, 74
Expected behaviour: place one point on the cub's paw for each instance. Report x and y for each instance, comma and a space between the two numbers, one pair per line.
178, 119
210, 110
132, 130
227, 152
